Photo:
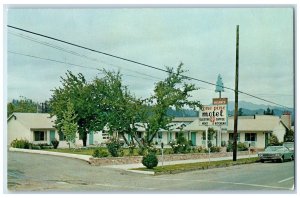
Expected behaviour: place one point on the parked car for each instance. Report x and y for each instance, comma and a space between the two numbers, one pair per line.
276, 153
289, 145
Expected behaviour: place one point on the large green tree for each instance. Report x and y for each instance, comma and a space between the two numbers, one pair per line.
173, 92
86, 100
124, 108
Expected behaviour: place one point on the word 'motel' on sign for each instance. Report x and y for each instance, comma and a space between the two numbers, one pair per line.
213, 115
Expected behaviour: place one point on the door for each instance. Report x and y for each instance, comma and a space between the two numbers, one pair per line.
52, 135
91, 138
193, 138
266, 139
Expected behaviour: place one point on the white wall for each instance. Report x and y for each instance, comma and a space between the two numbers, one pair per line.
15, 130
279, 131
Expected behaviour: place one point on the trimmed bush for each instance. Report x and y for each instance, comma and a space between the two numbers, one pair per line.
242, 146
55, 143
150, 161
114, 147
99, 153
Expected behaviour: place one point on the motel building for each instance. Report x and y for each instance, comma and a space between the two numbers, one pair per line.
254, 130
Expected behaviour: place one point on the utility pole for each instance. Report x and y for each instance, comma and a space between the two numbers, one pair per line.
236, 95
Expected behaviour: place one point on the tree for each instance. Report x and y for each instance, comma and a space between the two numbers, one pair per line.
273, 141
269, 112
289, 136
87, 100
69, 125
124, 108
219, 85
23, 105
173, 92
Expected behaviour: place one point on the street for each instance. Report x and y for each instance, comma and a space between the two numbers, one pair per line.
45, 173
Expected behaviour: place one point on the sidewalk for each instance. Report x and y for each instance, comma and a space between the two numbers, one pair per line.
76, 156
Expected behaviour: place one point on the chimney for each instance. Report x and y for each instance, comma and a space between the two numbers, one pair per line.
286, 119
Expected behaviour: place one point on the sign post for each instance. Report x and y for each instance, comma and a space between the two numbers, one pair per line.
162, 154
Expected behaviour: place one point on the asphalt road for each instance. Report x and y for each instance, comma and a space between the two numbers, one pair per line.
36, 173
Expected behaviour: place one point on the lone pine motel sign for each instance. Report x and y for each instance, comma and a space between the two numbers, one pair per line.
214, 115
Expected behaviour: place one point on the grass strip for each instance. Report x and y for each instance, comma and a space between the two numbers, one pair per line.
177, 168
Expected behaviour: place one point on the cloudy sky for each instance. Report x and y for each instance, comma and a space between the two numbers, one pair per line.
203, 39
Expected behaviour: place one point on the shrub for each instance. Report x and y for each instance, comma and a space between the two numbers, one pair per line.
215, 149
150, 161
229, 147
20, 144
45, 146
100, 153
200, 149
181, 144
242, 146
55, 143
273, 141
131, 148
114, 147
142, 150
223, 143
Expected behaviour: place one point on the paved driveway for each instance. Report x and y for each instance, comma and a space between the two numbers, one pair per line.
44, 173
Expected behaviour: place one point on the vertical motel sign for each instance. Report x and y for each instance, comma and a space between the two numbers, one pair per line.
216, 114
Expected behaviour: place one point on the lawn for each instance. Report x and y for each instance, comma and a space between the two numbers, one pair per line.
177, 168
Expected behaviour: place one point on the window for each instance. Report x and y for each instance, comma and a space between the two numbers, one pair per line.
105, 135
40, 136
231, 137
62, 137
250, 137
139, 134
176, 135
159, 135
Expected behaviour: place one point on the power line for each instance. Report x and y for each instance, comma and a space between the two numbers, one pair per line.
77, 54
136, 62
57, 61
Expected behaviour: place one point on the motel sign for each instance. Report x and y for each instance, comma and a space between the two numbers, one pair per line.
214, 115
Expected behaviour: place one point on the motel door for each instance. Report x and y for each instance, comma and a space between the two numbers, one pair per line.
91, 138
266, 139
52, 135
193, 138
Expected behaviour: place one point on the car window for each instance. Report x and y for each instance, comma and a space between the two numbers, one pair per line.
273, 148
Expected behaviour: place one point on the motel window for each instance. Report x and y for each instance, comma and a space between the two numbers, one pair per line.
159, 135
231, 137
62, 137
139, 134
105, 135
40, 136
250, 137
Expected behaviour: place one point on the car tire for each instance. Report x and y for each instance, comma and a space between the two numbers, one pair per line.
292, 158
262, 161
281, 159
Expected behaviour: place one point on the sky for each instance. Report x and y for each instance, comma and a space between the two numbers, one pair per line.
203, 39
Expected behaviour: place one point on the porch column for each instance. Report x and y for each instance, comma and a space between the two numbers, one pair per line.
206, 138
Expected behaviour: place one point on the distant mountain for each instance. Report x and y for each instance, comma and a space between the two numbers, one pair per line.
183, 113
252, 106
249, 108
